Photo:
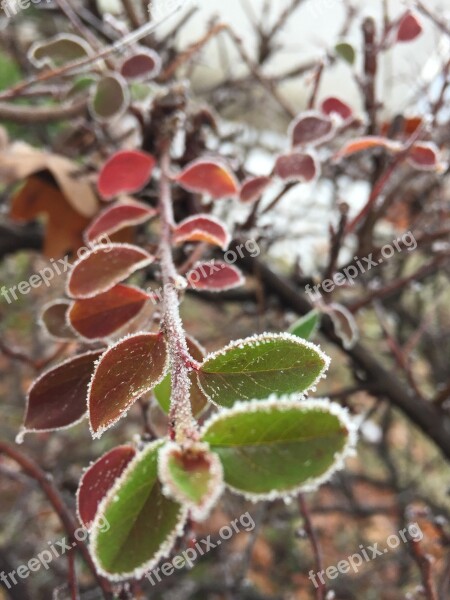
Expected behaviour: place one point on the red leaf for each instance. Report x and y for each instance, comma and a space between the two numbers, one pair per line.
409, 27
99, 317
297, 167
424, 156
123, 214
98, 479
311, 128
368, 143
54, 320
124, 373
104, 267
57, 399
215, 276
405, 128
202, 228
253, 188
125, 173
209, 177
335, 106
142, 66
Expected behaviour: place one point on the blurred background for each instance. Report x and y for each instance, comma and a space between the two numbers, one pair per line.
399, 313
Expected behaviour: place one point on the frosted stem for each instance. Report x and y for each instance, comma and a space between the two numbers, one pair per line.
182, 422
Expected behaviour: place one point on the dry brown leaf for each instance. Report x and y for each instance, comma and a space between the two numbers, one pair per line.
19, 161
64, 226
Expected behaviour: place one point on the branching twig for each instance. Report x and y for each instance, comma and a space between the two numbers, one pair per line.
310, 532
45, 483
182, 422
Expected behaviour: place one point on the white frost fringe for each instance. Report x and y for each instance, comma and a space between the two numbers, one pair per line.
164, 549
199, 512
304, 405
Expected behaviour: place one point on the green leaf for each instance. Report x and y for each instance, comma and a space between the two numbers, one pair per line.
81, 84
307, 326
9, 71
59, 50
143, 523
278, 448
163, 391
259, 366
110, 98
140, 91
346, 52
192, 475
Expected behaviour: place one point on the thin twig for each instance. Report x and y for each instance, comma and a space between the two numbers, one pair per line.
129, 39
424, 563
74, 595
34, 471
35, 115
310, 532
132, 13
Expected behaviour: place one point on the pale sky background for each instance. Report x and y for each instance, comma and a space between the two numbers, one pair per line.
313, 28
305, 213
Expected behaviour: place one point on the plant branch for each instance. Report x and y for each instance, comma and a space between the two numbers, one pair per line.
132, 13
310, 532
182, 423
33, 470
424, 415
424, 562
36, 115
131, 38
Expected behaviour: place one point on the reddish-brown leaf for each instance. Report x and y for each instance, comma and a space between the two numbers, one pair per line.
311, 128
144, 65
368, 143
209, 177
123, 214
297, 166
98, 479
99, 317
253, 188
404, 128
103, 267
126, 172
124, 373
424, 156
57, 399
202, 228
409, 27
54, 320
215, 276
335, 106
